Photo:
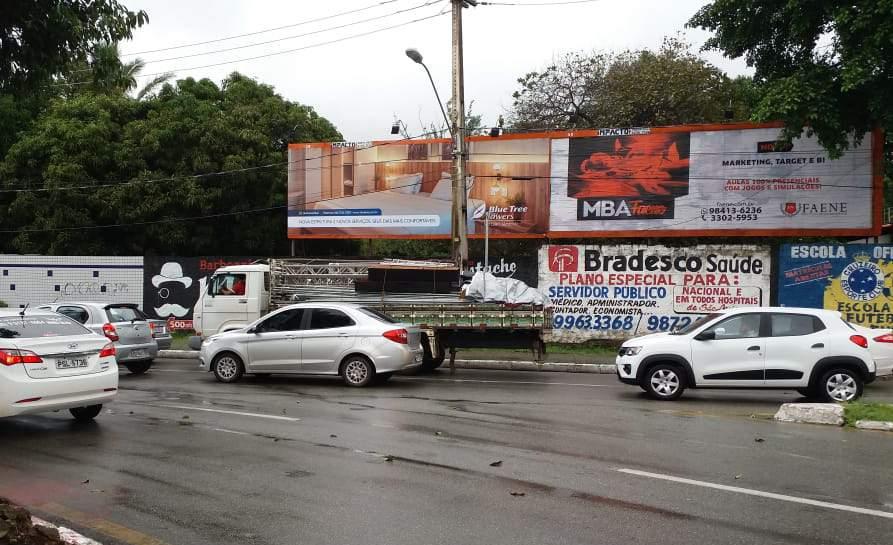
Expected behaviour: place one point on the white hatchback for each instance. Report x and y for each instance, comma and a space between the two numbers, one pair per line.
809, 350
49, 362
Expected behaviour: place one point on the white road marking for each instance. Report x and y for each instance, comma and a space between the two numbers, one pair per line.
221, 411
761, 494
231, 431
422, 379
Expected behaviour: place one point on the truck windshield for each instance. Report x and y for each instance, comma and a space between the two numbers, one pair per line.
378, 315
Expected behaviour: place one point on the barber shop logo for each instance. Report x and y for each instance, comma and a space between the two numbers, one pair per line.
170, 278
862, 280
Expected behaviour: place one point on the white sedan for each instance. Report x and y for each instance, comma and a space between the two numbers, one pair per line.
357, 343
880, 344
49, 362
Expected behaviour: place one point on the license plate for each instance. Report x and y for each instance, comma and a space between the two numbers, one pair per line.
139, 354
71, 363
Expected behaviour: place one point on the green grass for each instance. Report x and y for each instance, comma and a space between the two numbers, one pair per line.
180, 340
859, 410
582, 349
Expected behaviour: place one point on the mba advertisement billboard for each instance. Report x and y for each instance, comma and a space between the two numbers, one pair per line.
620, 291
684, 181
855, 279
698, 180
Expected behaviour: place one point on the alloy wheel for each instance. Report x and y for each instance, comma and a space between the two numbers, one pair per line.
356, 371
841, 387
665, 382
227, 367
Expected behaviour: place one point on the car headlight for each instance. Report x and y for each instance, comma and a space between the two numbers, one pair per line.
630, 350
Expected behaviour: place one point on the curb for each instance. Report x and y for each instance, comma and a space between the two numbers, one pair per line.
502, 365
67, 535
874, 425
811, 413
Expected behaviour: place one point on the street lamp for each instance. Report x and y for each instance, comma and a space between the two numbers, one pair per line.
416, 57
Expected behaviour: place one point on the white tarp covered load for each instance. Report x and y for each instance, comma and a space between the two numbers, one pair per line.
486, 287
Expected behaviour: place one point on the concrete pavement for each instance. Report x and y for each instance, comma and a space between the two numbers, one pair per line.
182, 459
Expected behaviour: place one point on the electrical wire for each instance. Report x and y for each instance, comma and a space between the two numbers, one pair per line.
319, 31
276, 53
264, 31
559, 3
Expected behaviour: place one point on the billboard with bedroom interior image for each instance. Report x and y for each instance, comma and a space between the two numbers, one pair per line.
403, 189
735, 179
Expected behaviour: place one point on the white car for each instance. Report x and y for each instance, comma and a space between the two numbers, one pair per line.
880, 344
810, 350
49, 362
358, 343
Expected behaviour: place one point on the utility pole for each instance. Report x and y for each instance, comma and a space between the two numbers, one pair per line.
460, 196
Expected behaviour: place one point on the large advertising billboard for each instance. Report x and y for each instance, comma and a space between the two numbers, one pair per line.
678, 181
620, 291
699, 180
855, 279
404, 189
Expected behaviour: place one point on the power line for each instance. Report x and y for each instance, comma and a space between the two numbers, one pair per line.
559, 3
264, 31
319, 31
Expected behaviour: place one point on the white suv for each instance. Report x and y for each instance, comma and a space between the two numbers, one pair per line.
810, 350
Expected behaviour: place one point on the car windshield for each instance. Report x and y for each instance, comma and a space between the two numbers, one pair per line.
124, 314
378, 315
696, 324
30, 327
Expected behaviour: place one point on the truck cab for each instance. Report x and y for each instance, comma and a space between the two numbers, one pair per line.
232, 298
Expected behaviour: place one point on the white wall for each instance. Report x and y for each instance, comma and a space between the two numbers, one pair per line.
36, 279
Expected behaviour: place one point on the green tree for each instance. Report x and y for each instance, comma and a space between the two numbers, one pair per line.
826, 66
632, 88
193, 127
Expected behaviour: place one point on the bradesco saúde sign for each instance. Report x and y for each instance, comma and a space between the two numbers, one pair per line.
855, 279
619, 291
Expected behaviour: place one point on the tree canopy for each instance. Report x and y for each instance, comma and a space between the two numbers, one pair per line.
633, 88
826, 66
105, 145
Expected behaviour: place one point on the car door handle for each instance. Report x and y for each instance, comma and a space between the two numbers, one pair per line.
818, 345
753, 348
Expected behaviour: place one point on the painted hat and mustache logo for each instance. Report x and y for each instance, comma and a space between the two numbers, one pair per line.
171, 272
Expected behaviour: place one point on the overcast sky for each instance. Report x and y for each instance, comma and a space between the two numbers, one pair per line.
360, 84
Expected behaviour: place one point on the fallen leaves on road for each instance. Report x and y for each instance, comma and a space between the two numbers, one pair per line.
758, 439
738, 477
388, 458
332, 435
497, 463
518, 494
85, 481
438, 433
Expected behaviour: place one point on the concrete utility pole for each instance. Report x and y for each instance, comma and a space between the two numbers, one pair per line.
460, 195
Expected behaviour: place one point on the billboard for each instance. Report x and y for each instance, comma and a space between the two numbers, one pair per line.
685, 181
698, 180
855, 279
619, 291
404, 189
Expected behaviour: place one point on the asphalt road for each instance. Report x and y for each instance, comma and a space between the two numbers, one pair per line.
181, 459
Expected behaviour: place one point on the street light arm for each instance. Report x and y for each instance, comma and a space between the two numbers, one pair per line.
437, 95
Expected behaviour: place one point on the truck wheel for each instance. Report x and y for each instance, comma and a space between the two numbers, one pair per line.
138, 367
429, 362
227, 367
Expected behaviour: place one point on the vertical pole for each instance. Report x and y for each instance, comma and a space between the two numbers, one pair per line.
486, 248
460, 197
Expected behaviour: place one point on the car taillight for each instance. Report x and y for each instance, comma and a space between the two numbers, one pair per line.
110, 332
887, 338
107, 350
11, 356
397, 335
152, 329
860, 340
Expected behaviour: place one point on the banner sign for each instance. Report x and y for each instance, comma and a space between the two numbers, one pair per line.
404, 189
855, 279
171, 285
620, 291
678, 179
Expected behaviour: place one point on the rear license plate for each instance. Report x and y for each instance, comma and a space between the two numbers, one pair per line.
139, 354
73, 363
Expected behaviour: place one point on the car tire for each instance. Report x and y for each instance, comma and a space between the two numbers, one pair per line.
139, 367
85, 414
357, 371
840, 386
664, 382
228, 367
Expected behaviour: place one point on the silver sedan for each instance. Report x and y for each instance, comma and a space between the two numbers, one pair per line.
358, 343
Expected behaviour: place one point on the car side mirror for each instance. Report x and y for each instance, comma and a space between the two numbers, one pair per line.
708, 335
